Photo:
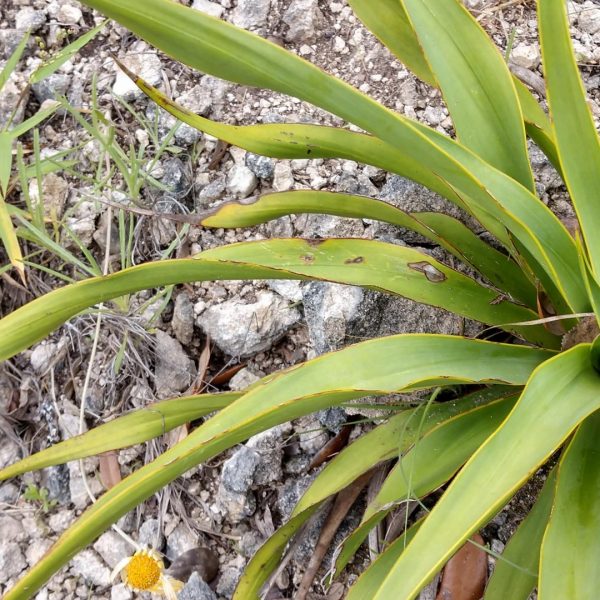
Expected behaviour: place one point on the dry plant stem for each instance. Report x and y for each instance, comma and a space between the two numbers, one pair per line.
343, 503
88, 375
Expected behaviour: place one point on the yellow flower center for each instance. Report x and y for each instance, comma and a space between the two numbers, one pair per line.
143, 572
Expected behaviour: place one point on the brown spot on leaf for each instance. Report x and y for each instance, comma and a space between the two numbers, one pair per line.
354, 261
432, 273
308, 258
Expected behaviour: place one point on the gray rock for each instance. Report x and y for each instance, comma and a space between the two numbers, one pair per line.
251, 541
241, 181
29, 19
51, 87
10, 451
242, 379
196, 589
112, 548
69, 14
244, 329
251, 14
44, 354
238, 471
236, 506
183, 318
283, 178
311, 435
198, 99
290, 289
120, 591
35, 550
336, 312
180, 540
12, 561
142, 62
202, 560
87, 564
174, 371
228, 581
262, 166
589, 18
290, 492
332, 418
10, 95
9, 40
210, 8
150, 534
11, 529
175, 177
269, 447
303, 19
211, 192
526, 55
58, 483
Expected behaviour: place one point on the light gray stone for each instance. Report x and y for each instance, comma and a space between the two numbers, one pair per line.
180, 540
174, 371
283, 178
183, 318
245, 329
526, 55
143, 62
588, 19
120, 592
238, 471
12, 561
251, 14
237, 506
303, 19
150, 534
29, 19
87, 564
196, 589
210, 8
112, 548
228, 581
241, 181
268, 445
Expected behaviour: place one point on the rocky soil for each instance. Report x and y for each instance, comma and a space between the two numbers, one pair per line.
152, 347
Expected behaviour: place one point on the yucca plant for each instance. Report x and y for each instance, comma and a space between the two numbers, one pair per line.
537, 400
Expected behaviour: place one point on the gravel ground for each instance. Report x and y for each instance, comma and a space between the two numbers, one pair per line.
230, 505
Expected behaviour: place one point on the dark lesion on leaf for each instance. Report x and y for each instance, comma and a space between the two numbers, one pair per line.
354, 261
307, 258
432, 273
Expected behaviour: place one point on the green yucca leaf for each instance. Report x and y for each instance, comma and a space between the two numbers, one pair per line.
386, 267
571, 548
379, 366
577, 139
441, 229
430, 463
560, 394
488, 118
515, 573
133, 428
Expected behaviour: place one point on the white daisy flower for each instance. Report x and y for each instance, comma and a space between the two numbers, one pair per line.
144, 572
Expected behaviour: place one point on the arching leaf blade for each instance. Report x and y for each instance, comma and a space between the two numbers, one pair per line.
488, 119
570, 548
560, 394
127, 430
515, 573
577, 139
379, 366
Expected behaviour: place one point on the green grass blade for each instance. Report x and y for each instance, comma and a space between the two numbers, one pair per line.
515, 574
441, 229
476, 84
377, 265
388, 21
379, 366
60, 58
571, 549
8, 234
34, 120
560, 394
13, 60
577, 139
130, 429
